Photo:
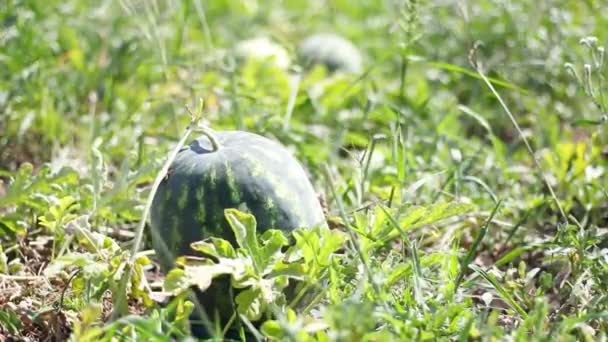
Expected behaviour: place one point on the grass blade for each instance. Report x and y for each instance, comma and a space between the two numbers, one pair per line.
502, 292
466, 261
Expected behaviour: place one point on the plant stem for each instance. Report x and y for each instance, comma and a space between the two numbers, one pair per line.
20, 278
353, 238
207, 132
157, 181
295, 86
194, 123
528, 146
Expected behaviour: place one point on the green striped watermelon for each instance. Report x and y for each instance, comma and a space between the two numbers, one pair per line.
246, 171
334, 51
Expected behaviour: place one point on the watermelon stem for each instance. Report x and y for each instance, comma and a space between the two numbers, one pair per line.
194, 125
197, 125
210, 134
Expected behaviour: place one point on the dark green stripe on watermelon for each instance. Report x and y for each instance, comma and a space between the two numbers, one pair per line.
247, 171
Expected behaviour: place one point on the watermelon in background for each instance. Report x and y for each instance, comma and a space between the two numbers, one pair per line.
334, 51
263, 49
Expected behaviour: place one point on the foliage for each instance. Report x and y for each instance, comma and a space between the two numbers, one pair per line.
445, 224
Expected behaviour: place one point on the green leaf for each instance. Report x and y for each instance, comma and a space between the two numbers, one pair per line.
139, 289
201, 272
59, 213
10, 321
92, 241
249, 304
308, 244
318, 244
331, 241
176, 281
201, 276
437, 212
480, 119
85, 328
215, 247
244, 227
379, 224
12, 224
588, 122
473, 248
511, 255
3, 262
504, 293
399, 272
272, 329
419, 183
458, 69
87, 262
292, 270
182, 313
273, 241
416, 217
25, 183
264, 253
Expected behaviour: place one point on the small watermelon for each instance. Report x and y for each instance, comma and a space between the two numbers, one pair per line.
246, 171
335, 52
262, 48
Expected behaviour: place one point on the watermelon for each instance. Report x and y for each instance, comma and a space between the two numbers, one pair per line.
245, 171
335, 52
264, 49
228, 169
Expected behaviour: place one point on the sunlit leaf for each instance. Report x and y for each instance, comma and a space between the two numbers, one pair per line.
249, 304
215, 247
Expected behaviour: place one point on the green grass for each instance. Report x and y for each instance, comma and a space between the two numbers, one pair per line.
464, 170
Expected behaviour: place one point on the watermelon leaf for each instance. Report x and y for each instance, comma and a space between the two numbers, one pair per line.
258, 267
201, 274
291, 270
176, 281
215, 247
272, 240
86, 261
249, 304
264, 252
317, 246
244, 227
272, 329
